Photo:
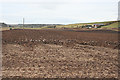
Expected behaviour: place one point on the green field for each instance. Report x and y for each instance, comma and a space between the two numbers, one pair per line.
108, 25
114, 24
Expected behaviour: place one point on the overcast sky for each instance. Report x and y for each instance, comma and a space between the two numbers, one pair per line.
58, 11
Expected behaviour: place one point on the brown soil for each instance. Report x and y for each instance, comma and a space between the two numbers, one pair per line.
93, 38
60, 54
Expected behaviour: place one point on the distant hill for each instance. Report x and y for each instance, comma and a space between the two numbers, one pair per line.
106, 24
28, 25
35, 25
114, 25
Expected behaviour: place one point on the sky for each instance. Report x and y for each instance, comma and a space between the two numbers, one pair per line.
57, 11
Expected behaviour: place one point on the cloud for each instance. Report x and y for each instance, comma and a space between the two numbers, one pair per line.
46, 1
58, 11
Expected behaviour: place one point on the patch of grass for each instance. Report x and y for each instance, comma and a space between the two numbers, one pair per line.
4, 28
114, 25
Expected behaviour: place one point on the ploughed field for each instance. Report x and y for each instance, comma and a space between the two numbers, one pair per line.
59, 54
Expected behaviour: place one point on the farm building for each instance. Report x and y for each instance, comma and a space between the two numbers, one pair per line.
93, 26
3, 25
89, 26
97, 25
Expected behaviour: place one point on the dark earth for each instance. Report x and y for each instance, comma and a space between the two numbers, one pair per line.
60, 54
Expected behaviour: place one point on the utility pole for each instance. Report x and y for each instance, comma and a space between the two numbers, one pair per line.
23, 22
118, 10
